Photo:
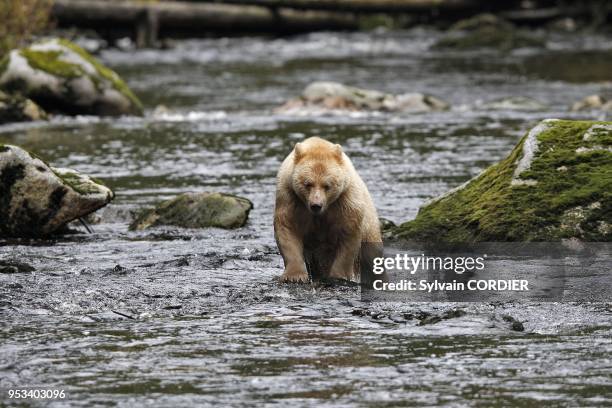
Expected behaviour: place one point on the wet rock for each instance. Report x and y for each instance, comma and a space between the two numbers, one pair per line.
514, 324
480, 21
14, 266
37, 200
433, 319
109, 316
15, 108
359, 312
427, 318
593, 102
62, 77
526, 197
386, 224
119, 269
515, 103
487, 31
386, 227
564, 24
333, 96
197, 210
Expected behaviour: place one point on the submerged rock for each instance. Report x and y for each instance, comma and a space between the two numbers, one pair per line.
197, 210
329, 96
593, 102
15, 266
37, 200
515, 103
488, 31
15, 108
62, 77
555, 184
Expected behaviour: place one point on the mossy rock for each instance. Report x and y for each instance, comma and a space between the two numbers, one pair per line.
62, 77
37, 200
197, 210
16, 108
556, 184
324, 96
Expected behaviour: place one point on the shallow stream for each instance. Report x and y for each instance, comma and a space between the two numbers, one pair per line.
178, 317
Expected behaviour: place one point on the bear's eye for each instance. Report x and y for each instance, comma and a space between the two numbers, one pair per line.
307, 184
326, 186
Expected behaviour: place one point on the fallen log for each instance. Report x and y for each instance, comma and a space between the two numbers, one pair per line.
146, 21
377, 6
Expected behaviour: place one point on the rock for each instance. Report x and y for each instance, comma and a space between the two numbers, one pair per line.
564, 24
526, 197
515, 103
515, 325
15, 108
386, 224
480, 21
329, 96
62, 77
593, 102
37, 200
197, 210
386, 228
488, 31
14, 266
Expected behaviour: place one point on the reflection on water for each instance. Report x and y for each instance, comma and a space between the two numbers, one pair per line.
195, 317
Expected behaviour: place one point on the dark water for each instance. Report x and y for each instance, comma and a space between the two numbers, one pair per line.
172, 317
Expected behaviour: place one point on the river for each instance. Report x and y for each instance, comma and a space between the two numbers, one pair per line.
178, 317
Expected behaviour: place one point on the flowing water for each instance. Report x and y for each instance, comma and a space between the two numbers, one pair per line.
178, 317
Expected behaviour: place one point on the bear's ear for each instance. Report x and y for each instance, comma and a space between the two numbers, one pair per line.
298, 152
338, 151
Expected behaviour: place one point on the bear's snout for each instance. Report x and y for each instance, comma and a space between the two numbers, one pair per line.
316, 208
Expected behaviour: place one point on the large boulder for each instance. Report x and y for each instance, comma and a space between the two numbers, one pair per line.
197, 210
488, 31
62, 77
556, 184
330, 96
37, 200
16, 108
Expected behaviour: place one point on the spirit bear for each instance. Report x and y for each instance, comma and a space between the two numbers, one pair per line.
323, 214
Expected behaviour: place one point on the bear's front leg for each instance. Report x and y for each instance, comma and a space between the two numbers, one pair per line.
292, 250
345, 260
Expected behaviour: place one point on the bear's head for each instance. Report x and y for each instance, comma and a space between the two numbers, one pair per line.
319, 175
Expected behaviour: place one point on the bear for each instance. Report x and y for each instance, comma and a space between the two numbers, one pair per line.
323, 214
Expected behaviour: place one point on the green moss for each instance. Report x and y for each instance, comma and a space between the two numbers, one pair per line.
105, 73
76, 182
49, 61
489, 208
